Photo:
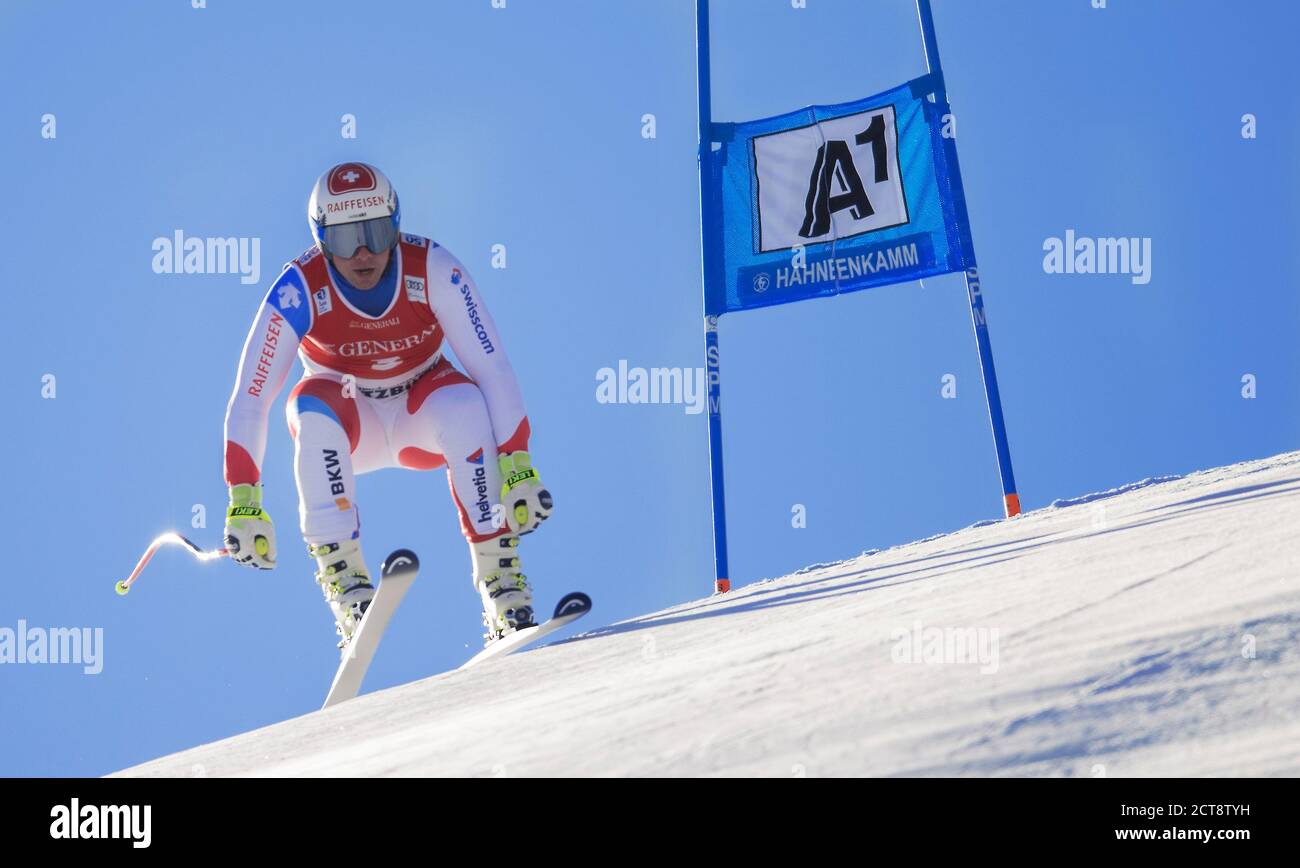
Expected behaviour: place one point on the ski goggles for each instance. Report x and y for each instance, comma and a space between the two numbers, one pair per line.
345, 239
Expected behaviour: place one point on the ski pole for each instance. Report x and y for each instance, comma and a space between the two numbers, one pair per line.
170, 537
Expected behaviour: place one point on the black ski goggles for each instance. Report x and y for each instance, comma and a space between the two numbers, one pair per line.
344, 240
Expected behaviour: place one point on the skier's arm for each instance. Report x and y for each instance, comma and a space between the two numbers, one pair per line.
473, 337
267, 359
264, 366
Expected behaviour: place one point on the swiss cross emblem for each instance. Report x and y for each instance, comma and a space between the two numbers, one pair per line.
350, 177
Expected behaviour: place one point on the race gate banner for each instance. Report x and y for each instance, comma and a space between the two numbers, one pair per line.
832, 199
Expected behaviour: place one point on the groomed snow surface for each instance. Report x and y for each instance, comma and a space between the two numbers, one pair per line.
1154, 631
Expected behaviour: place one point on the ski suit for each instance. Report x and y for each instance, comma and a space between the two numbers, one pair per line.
376, 389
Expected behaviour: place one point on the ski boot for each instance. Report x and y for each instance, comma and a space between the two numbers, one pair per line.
345, 582
507, 599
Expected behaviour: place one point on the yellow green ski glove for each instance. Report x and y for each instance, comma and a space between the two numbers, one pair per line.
249, 534
526, 502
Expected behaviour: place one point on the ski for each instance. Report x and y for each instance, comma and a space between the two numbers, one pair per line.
396, 575
570, 608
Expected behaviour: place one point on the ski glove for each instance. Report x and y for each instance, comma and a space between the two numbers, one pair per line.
249, 535
527, 503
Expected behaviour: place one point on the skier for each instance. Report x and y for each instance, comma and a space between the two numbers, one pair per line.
368, 308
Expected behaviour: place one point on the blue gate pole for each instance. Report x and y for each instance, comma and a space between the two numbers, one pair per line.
1010, 498
722, 581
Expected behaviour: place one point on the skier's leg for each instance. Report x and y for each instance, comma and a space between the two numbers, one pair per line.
328, 428
446, 423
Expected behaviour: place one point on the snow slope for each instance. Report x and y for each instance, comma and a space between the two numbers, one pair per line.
1151, 631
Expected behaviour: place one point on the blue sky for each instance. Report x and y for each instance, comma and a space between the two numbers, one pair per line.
522, 127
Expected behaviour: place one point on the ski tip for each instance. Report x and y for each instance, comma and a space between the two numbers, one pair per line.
402, 560
572, 604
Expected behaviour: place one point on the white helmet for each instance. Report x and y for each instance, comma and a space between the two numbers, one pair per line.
353, 204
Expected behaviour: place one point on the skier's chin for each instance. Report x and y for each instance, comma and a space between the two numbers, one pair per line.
363, 274
365, 278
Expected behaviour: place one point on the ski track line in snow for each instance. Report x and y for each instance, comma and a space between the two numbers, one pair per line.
1153, 629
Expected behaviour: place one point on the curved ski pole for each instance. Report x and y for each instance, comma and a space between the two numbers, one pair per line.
124, 586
